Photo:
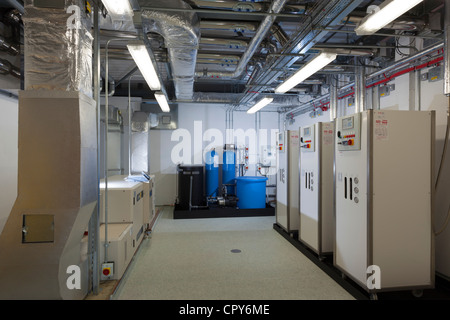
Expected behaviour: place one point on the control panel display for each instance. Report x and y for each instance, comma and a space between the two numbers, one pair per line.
347, 123
348, 133
307, 141
306, 132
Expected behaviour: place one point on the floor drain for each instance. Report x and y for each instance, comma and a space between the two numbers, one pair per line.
235, 250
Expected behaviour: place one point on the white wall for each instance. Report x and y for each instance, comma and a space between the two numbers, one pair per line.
8, 156
200, 128
425, 96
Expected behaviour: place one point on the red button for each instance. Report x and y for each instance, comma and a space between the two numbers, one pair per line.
106, 271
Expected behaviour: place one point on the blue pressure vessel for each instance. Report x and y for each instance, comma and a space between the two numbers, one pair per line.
229, 171
211, 173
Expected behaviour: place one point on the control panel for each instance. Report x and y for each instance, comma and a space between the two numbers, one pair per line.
307, 139
348, 133
281, 142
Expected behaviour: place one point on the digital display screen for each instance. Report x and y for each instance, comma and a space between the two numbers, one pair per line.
306, 131
347, 123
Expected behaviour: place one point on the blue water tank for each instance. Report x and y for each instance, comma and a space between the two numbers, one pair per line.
251, 192
229, 170
211, 173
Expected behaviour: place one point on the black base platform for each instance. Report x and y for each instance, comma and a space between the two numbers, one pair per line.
440, 292
221, 212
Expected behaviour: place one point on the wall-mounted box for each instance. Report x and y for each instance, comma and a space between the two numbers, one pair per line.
436, 74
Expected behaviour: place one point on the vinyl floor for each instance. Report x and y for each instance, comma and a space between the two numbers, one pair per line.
222, 259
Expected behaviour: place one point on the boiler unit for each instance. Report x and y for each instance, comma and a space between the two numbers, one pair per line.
287, 213
316, 187
384, 199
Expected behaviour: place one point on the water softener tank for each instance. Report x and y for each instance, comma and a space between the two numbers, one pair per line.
190, 186
251, 192
211, 173
229, 171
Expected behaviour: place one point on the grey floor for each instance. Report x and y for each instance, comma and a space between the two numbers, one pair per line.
195, 259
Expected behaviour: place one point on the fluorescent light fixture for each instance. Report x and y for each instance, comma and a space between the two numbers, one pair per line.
162, 101
306, 71
141, 57
387, 12
261, 104
119, 9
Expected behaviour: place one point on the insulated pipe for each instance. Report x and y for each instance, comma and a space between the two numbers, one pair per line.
181, 34
254, 44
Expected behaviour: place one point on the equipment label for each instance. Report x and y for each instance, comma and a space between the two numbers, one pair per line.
381, 127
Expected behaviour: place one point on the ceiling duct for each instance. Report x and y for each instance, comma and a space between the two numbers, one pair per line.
139, 122
244, 6
264, 27
181, 34
233, 26
231, 98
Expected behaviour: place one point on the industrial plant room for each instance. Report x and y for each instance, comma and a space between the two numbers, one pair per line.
233, 157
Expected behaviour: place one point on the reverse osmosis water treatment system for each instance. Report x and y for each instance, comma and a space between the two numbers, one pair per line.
219, 185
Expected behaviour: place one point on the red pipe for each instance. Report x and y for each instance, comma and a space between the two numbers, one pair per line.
397, 74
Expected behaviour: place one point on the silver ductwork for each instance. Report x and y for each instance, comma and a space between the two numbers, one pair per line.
68, 66
242, 6
264, 27
234, 26
181, 34
231, 98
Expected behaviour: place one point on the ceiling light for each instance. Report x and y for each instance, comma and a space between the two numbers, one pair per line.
162, 101
381, 15
119, 9
306, 71
141, 57
261, 104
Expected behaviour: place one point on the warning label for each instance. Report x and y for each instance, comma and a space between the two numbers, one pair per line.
327, 137
381, 129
